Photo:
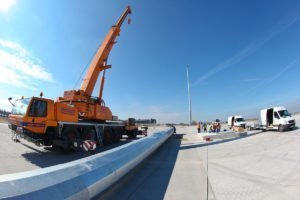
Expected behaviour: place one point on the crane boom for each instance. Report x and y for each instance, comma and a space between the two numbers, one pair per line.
91, 108
99, 62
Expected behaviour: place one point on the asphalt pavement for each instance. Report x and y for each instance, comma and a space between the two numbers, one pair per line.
264, 165
24, 155
260, 166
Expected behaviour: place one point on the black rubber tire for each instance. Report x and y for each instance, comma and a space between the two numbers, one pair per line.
68, 134
134, 135
89, 134
281, 128
50, 134
116, 135
58, 149
107, 136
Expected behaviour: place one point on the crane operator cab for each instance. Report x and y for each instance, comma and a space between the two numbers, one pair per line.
37, 120
29, 115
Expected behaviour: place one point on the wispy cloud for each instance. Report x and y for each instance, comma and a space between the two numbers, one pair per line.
248, 50
252, 79
261, 85
19, 67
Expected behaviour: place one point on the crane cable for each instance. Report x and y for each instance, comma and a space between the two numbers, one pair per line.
86, 66
81, 73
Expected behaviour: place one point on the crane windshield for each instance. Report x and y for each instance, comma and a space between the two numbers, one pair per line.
20, 106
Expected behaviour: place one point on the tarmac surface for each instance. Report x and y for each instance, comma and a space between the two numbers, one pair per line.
24, 155
263, 165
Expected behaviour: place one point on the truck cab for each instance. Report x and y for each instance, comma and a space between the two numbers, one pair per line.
48, 123
237, 121
276, 118
31, 116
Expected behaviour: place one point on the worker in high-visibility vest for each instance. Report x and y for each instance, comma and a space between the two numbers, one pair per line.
199, 127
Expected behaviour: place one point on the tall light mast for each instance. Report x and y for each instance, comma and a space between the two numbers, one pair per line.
189, 95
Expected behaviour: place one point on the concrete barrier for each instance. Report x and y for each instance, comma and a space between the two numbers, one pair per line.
229, 135
84, 178
224, 135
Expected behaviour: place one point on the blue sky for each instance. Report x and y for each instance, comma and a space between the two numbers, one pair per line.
243, 55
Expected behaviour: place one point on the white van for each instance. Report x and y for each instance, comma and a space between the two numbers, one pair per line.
276, 118
237, 120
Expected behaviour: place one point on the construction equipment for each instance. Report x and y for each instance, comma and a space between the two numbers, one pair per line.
76, 120
132, 129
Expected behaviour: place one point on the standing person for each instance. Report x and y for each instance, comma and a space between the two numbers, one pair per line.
218, 127
205, 127
211, 128
199, 127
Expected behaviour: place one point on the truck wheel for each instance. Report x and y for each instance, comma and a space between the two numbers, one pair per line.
50, 135
116, 135
281, 128
89, 134
132, 135
107, 136
68, 135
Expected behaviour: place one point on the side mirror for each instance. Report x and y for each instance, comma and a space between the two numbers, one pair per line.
9, 99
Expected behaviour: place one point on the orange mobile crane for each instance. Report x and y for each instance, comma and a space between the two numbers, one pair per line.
76, 120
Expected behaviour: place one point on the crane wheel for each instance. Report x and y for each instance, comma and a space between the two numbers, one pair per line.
116, 135
89, 134
107, 136
68, 135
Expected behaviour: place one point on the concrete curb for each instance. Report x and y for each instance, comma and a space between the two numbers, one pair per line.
228, 135
84, 178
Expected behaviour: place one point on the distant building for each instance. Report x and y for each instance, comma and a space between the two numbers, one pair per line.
4, 113
145, 121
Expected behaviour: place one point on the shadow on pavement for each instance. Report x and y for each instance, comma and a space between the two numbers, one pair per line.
48, 156
151, 178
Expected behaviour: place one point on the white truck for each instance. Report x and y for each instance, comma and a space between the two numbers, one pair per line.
237, 120
276, 118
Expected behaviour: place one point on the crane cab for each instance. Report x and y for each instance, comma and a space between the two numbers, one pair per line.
31, 114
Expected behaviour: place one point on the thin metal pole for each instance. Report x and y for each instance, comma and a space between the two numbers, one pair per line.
206, 170
189, 94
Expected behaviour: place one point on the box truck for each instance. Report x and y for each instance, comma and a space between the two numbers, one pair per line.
276, 118
237, 121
